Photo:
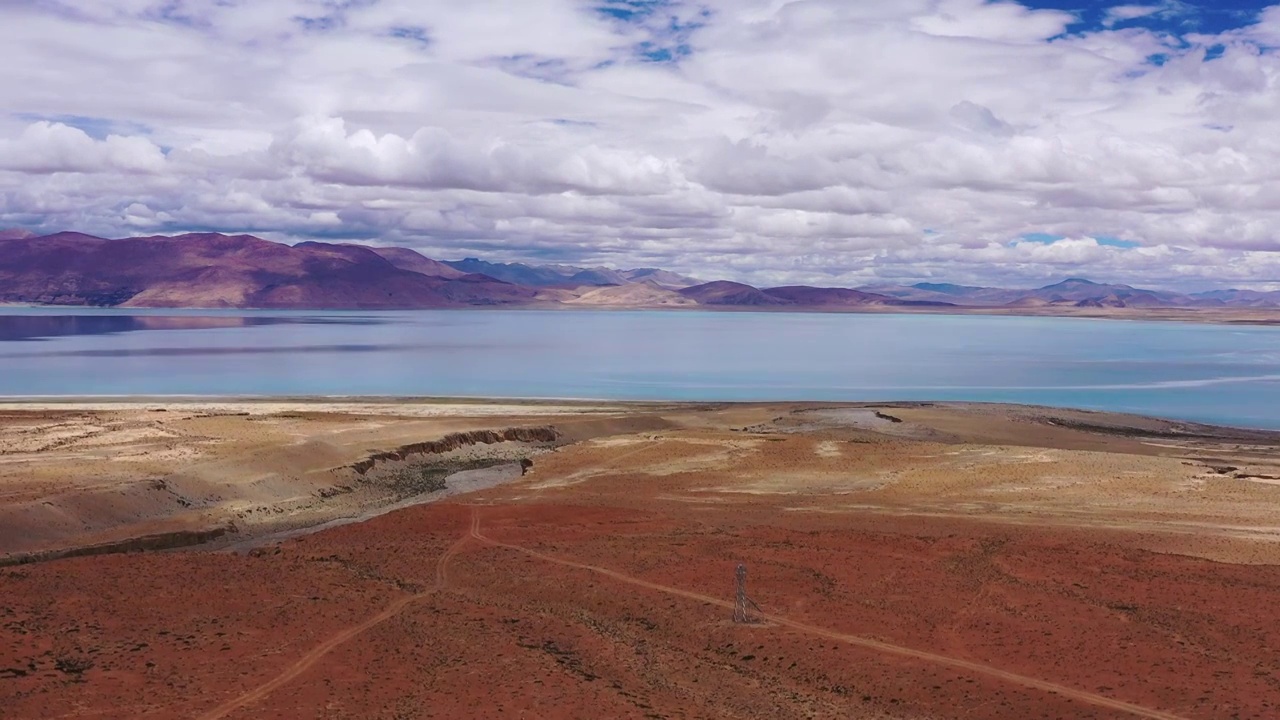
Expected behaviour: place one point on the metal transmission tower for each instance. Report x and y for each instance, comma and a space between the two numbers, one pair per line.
743, 604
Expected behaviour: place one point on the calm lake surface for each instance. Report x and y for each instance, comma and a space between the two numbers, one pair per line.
1211, 373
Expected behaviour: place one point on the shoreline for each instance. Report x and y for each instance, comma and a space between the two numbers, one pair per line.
1257, 317
436, 404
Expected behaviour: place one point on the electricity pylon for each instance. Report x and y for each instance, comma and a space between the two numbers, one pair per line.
743, 604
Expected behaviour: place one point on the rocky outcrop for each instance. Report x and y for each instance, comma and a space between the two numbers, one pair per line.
144, 543
455, 441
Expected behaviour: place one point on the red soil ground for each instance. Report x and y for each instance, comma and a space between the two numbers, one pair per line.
421, 614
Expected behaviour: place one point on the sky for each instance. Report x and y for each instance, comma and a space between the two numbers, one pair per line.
830, 142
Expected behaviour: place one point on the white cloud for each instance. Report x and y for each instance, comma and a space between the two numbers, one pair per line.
1006, 21
794, 140
1165, 9
46, 147
1122, 13
537, 161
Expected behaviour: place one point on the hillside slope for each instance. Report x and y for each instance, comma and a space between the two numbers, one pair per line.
214, 270
641, 294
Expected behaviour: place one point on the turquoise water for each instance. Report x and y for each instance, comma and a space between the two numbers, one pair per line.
1212, 373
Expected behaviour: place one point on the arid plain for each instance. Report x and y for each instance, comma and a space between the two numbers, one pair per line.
162, 559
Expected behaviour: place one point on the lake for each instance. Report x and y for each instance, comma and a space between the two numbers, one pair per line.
1212, 373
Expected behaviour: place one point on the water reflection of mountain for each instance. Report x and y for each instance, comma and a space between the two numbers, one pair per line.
37, 327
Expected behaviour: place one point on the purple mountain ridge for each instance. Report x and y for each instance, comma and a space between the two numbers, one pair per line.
242, 271
213, 270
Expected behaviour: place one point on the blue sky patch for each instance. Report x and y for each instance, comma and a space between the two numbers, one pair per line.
415, 34
335, 17
1042, 238
671, 25
1117, 243
1049, 239
316, 24
174, 13
1176, 17
630, 10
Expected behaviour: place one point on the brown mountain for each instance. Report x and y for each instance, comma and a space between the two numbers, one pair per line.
214, 270
948, 292
637, 294
663, 278
1076, 292
1086, 293
1239, 298
407, 259
807, 296
723, 292
569, 276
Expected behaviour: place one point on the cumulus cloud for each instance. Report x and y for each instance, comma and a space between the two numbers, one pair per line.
542, 161
46, 147
766, 140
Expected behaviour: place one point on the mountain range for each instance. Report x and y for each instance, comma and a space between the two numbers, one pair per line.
212, 270
1077, 292
568, 276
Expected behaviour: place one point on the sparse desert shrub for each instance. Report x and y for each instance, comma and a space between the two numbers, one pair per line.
75, 665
